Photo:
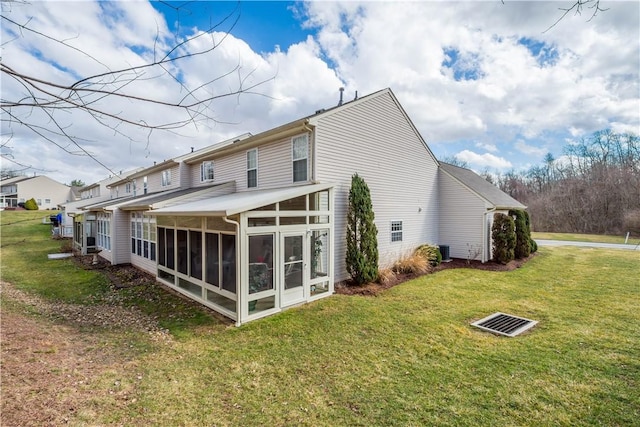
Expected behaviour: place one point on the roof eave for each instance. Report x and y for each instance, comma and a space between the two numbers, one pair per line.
289, 129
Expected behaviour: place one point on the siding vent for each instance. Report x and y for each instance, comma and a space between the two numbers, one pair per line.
504, 324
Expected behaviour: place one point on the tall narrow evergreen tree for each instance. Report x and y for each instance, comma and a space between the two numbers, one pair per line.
523, 234
362, 234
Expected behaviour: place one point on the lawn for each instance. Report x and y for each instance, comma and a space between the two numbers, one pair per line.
595, 238
405, 357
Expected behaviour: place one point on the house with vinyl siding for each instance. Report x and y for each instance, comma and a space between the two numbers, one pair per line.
257, 223
467, 205
47, 193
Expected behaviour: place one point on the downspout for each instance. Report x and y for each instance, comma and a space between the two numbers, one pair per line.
485, 234
312, 136
238, 269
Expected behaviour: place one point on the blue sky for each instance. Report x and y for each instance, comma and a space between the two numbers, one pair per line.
262, 24
484, 82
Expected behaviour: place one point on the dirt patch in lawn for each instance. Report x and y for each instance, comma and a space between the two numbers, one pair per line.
374, 288
48, 371
56, 356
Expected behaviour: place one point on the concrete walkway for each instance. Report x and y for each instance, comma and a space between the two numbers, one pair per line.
634, 247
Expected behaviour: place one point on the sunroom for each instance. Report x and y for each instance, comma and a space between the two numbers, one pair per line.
249, 254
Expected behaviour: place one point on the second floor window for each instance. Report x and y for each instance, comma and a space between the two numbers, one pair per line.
144, 185
252, 168
166, 178
206, 171
300, 151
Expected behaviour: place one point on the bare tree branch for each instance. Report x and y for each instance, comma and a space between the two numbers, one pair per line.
93, 94
577, 8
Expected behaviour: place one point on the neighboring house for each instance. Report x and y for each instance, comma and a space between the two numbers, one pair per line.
467, 205
47, 192
72, 212
256, 224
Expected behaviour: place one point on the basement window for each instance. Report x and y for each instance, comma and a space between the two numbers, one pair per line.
504, 324
396, 231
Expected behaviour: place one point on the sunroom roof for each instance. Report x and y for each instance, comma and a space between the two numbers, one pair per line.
235, 203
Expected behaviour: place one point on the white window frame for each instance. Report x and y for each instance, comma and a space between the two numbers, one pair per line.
144, 231
127, 188
207, 171
254, 168
294, 159
145, 186
104, 231
166, 178
396, 231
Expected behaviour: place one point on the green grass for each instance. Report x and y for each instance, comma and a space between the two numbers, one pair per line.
25, 243
596, 238
407, 357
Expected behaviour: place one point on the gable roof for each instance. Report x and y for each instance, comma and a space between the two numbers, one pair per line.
304, 124
482, 187
313, 119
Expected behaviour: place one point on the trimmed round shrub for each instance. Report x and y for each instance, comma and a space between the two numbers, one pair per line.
31, 205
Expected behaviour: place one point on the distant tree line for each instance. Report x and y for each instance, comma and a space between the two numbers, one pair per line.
593, 188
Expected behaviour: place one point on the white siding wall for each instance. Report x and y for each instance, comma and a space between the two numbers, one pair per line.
108, 255
374, 139
462, 219
121, 240
154, 181
144, 264
274, 167
184, 175
43, 188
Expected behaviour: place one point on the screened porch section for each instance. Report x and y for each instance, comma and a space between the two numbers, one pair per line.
84, 233
252, 263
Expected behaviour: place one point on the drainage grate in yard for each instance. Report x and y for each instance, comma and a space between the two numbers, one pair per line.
504, 324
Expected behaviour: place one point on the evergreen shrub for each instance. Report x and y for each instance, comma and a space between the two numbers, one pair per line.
504, 238
362, 234
523, 234
31, 205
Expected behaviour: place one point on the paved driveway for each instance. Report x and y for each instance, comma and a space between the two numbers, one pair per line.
588, 244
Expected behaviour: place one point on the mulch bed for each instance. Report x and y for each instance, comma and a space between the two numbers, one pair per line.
121, 275
126, 275
374, 288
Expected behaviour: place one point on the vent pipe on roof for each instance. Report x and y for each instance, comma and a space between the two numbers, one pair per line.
356, 97
192, 149
341, 93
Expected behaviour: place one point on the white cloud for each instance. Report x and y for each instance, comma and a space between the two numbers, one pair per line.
364, 46
529, 150
486, 146
483, 160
